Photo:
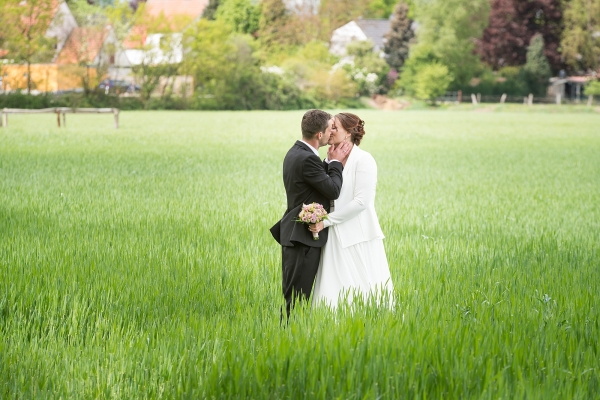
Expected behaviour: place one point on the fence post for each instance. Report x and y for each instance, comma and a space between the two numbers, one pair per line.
58, 117
473, 99
558, 99
116, 114
590, 99
459, 96
530, 99
478, 97
503, 98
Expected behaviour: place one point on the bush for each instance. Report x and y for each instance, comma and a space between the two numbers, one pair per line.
432, 81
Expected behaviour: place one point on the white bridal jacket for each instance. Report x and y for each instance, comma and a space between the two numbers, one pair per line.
354, 217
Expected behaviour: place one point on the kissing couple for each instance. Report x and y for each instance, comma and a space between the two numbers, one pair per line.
348, 258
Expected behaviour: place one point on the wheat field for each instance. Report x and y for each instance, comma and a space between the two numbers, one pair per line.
137, 263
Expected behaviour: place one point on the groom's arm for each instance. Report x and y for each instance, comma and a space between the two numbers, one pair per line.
327, 183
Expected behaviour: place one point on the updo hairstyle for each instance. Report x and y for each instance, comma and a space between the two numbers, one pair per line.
353, 125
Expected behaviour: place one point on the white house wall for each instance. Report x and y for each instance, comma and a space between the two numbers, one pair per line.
343, 36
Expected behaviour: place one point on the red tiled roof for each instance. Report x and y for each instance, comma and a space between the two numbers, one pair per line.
178, 13
83, 45
136, 37
171, 8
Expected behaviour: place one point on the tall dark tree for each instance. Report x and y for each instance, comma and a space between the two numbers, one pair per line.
537, 67
512, 25
210, 10
399, 37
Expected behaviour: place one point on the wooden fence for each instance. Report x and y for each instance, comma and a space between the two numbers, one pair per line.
58, 111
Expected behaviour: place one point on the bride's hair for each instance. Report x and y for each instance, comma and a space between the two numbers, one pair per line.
353, 125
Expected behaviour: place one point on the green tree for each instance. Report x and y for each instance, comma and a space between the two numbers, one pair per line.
580, 43
399, 38
449, 28
593, 88
242, 15
207, 45
380, 8
335, 13
368, 70
24, 33
273, 22
419, 56
537, 66
210, 10
432, 81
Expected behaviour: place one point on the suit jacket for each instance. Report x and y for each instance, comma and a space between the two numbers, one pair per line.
354, 218
307, 180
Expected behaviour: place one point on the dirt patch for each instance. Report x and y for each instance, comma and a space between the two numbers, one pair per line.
385, 103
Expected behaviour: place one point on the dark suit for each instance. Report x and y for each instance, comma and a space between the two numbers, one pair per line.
307, 180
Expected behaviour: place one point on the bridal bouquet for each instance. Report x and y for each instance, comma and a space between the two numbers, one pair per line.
311, 214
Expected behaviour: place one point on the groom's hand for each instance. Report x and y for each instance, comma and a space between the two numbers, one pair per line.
339, 152
318, 227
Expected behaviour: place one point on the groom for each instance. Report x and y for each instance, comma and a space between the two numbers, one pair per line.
307, 180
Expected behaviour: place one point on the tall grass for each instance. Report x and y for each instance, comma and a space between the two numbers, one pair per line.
137, 263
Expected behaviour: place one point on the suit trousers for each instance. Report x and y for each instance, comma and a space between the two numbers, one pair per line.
299, 268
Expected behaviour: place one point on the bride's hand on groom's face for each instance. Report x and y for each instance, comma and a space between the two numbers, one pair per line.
318, 227
338, 152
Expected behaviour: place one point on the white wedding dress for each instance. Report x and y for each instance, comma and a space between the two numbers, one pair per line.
353, 261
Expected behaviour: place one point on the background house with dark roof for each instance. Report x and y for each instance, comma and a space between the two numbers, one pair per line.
360, 29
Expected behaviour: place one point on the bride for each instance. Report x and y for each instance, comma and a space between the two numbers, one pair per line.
353, 261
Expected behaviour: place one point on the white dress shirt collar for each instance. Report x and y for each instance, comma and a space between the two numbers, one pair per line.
312, 148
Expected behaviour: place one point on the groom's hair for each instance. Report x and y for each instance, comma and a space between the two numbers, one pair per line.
313, 122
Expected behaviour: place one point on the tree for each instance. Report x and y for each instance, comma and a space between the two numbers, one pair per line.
592, 89
210, 10
432, 81
449, 28
335, 13
580, 43
25, 35
537, 67
512, 25
380, 8
399, 37
368, 70
207, 45
419, 57
241, 15
272, 23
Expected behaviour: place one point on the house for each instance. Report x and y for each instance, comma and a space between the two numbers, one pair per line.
568, 87
60, 23
43, 77
146, 42
96, 50
360, 29
143, 44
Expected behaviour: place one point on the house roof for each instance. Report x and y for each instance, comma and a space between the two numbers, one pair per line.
178, 14
171, 8
83, 45
375, 29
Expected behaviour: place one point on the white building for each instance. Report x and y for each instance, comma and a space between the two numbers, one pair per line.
361, 29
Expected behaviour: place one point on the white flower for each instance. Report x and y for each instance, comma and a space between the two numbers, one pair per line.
359, 76
371, 77
273, 70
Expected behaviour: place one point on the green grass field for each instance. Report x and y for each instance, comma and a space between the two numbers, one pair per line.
137, 263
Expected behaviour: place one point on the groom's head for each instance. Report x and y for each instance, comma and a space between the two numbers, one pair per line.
316, 124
